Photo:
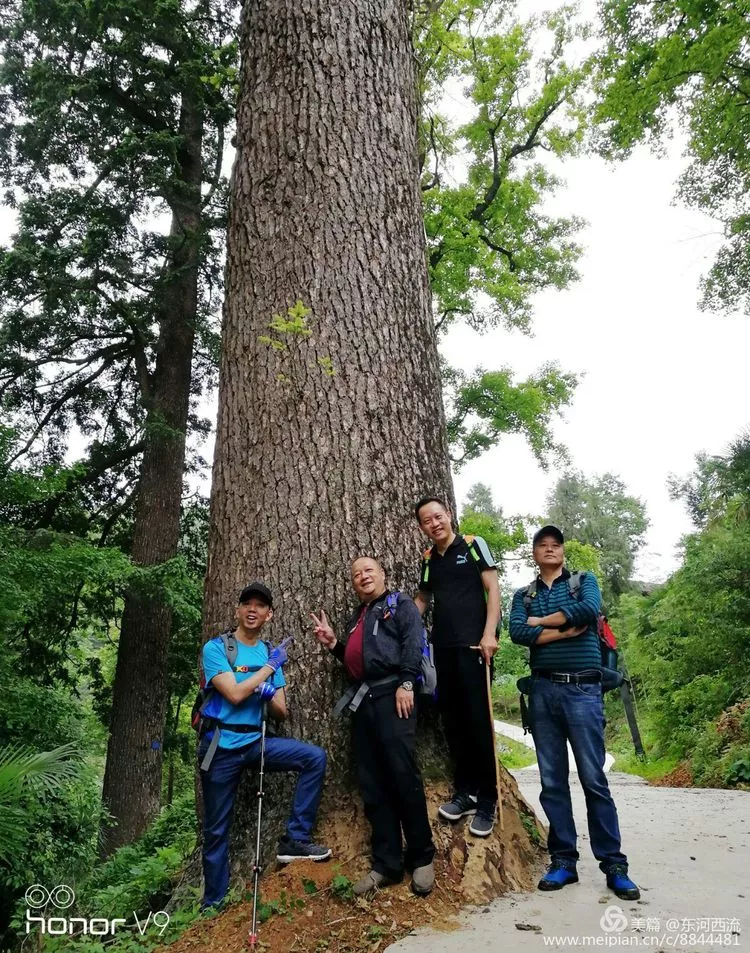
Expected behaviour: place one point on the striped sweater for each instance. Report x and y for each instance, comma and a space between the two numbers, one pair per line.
566, 655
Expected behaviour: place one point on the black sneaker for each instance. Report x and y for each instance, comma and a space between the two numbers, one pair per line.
290, 850
459, 806
484, 820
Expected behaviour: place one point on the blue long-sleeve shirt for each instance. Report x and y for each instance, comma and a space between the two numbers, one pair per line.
565, 655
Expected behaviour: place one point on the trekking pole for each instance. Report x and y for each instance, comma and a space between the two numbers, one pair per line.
252, 938
477, 648
494, 747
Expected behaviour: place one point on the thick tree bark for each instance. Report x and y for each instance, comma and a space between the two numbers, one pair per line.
310, 469
132, 779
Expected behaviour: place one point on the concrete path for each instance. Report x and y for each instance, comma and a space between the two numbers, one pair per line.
688, 852
516, 734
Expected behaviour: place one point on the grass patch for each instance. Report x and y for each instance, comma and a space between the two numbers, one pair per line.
505, 702
512, 754
619, 743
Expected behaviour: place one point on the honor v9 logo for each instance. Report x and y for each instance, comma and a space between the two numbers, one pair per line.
60, 898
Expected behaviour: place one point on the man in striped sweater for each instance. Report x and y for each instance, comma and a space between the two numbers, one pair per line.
566, 705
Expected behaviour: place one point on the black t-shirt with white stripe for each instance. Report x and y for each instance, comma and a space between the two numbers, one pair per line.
460, 607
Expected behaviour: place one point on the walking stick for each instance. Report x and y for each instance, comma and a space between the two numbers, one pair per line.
494, 748
252, 938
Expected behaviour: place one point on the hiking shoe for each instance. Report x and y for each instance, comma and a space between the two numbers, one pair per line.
557, 877
290, 850
372, 880
484, 820
423, 879
459, 806
619, 882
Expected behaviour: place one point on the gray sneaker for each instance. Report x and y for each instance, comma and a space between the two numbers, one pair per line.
290, 850
482, 822
459, 806
423, 879
372, 880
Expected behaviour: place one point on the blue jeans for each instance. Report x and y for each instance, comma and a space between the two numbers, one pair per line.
220, 788
560, 712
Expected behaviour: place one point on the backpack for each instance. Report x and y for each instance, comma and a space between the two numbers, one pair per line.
427, 678
203, 723
427, 555
611, 677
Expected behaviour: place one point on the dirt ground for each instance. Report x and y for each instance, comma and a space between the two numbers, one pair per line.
309, 907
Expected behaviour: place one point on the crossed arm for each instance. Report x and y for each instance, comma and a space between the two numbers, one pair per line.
236, 692
539, 630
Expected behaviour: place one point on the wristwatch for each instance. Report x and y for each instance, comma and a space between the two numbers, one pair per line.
407, 686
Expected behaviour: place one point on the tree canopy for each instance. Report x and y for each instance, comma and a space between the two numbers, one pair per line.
688, 643
681, 65
600, 513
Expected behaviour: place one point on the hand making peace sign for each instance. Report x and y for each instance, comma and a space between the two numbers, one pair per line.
323, 631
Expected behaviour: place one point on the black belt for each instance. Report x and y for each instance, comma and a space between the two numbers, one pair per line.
572, 678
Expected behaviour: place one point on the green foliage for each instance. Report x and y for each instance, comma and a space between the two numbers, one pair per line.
61, 593
483, 406
522, 96
739, 771
530, 826
51, 831
342, 887
295, 327
718, 487
504, 692
102, 104
480, 517
22, 768
59, 596
582, 557
688, 644
601, 514
282, 905
491, 245
135, 882
680, 62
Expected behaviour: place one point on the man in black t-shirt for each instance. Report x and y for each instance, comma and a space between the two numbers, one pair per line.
460, 575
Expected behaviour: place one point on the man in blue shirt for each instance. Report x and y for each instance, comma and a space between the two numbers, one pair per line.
566, 706
239, 692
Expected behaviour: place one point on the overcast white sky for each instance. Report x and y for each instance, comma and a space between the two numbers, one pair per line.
663, 380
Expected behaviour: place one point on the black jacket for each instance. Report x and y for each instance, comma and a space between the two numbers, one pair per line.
397, 647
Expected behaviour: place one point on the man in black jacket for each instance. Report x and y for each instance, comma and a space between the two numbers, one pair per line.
382, 655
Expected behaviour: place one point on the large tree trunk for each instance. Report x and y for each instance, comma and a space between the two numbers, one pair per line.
313, 468
132, 779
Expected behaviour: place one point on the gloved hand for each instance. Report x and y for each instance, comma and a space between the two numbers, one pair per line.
266, 690
277, 656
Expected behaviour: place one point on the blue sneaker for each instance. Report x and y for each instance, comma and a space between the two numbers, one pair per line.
557, 877
619, 882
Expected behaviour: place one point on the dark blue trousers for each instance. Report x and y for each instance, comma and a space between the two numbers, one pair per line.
220, 789
558, 713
